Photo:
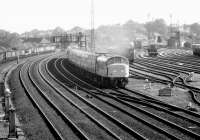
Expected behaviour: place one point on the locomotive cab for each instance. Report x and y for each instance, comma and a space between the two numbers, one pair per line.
118, 70
118, 67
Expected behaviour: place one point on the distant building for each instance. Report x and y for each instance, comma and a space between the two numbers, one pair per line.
44, 42
140, 40
143, 41
32, 42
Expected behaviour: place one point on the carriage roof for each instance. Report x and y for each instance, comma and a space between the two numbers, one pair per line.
107, 57
103, 57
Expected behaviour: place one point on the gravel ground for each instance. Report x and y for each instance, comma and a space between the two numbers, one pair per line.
180, 97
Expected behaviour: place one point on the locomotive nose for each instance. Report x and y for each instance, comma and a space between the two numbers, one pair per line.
118, 70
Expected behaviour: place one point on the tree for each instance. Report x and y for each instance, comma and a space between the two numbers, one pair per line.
157, 26
132, 28
9, 40
57, 31
111, 34
195, 29
76, 29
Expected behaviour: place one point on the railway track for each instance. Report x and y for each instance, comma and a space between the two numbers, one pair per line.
81, 127
179, 63
154, 70
176, 63
171, 66
146, 96
74, 109
124, 101
45, 106
173, 52
101, 103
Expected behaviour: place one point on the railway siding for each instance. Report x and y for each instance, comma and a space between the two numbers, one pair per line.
95, 112
172, 61
64, 82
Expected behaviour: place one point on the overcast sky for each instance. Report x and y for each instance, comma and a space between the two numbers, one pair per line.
25, 15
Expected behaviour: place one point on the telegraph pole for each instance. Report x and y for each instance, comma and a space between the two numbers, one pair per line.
170, 24
92, 26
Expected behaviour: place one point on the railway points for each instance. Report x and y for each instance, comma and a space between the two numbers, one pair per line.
109, 112
127, 81
186, 66
179, 97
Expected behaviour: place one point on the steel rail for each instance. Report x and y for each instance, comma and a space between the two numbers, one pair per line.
58, 110
53, 129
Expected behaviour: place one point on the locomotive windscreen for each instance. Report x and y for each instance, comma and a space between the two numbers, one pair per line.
117, 60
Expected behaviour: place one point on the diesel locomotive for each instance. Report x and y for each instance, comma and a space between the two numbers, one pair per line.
105, 70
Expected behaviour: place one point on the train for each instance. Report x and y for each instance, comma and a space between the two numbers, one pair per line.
196, 49
13, 54
105, 70
152, 50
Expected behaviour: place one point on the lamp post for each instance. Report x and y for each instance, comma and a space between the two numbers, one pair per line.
132, 52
